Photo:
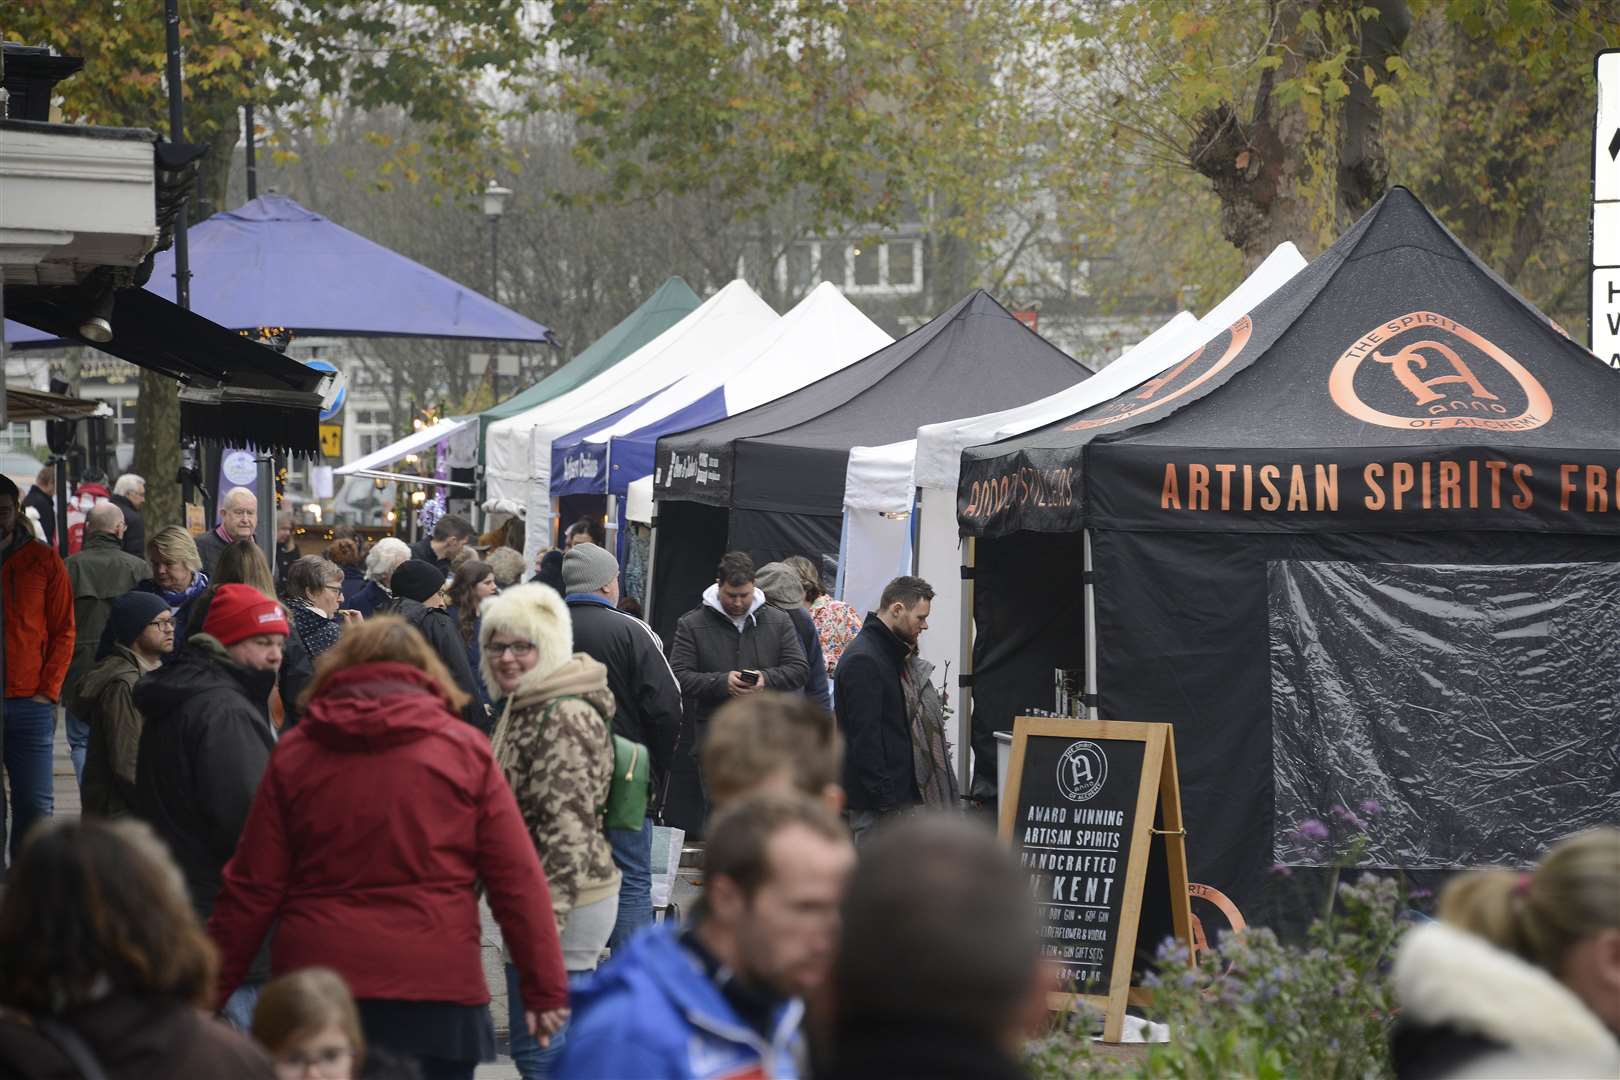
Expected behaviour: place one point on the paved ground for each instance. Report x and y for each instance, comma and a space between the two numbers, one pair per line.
67, 804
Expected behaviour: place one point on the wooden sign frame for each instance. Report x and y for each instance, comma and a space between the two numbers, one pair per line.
1158, 789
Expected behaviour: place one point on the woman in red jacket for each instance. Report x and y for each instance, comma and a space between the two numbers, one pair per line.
375, 818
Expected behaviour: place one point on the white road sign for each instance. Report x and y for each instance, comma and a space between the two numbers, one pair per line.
1605, 309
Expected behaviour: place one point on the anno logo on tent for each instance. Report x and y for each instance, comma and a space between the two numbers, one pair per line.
1185, 377
1082, 771
1425, 371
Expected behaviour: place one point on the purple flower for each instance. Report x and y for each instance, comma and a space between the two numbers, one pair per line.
1346, 815
1372, 808
1280, 870
1311, 829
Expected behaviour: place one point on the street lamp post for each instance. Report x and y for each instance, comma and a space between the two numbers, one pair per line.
495, 198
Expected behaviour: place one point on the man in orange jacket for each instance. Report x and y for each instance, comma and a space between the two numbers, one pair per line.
38, 606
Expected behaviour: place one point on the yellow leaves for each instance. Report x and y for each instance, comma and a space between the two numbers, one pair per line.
1185, 25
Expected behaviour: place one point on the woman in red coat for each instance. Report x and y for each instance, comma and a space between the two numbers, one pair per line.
375, 818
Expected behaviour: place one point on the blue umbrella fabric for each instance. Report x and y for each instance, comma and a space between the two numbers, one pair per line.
272, 262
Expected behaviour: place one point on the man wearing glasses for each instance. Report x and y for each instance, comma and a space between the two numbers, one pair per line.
238, 520
141, 632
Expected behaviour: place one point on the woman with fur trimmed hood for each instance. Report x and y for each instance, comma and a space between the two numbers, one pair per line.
555, 745
1521, 975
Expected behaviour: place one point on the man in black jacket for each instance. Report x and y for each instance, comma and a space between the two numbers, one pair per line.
41, 499
449, 536
419, 600
129, 495
649, 708
729, 646
206, 741
238, 520
869, 696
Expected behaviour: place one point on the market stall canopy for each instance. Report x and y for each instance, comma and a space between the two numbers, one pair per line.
23, 405
823, 333
789, 456
510, 470
940, 446
673, 302
1395, 384
272, 262
258, 396
400, 449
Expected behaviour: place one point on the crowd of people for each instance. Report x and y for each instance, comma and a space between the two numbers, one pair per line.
303, 774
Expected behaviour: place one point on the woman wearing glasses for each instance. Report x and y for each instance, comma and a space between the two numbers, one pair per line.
315, 598
140, 635
554, 744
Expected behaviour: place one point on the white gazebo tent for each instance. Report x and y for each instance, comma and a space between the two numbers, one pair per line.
891, 481
823, 333
518, 450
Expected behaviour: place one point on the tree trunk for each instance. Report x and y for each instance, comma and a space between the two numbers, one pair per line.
1363, 157
157, 449
1260, 167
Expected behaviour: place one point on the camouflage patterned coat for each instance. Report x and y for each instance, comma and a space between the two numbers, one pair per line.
559, 762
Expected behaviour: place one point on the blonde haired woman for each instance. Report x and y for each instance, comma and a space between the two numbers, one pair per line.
1521, 974
554, 743
177, 575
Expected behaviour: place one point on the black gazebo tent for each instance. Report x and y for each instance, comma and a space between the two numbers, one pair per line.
1365, 549
770, 481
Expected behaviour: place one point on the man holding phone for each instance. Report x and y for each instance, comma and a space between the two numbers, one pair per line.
730, 645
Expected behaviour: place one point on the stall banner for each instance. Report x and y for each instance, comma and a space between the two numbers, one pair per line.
1086, 801
996, 494
1395, 383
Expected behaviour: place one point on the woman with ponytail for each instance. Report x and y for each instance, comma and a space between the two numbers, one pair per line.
1521, 974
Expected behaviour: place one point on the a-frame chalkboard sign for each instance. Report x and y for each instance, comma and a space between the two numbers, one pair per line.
1089, 803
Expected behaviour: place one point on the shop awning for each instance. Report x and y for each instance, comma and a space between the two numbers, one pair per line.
24, 405
256, 395
377, 461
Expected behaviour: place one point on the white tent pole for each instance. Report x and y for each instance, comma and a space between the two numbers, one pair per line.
1091, 632
964, 699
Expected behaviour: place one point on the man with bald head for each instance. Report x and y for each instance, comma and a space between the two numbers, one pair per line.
238, 520
99, 573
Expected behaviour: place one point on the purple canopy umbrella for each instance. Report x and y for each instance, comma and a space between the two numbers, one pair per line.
271, 262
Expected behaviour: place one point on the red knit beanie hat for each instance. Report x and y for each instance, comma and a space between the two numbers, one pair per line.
241, 611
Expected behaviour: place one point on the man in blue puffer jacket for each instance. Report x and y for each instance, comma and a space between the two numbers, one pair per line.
719, 999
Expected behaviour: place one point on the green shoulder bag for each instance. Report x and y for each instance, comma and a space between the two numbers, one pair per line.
626, 806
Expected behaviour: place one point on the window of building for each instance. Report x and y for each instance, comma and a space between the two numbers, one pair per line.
798, 269
125, 410
903, 264
866, 268
891, 267
832, 263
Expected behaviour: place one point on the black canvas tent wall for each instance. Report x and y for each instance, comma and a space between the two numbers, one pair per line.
770, 481
1370, 551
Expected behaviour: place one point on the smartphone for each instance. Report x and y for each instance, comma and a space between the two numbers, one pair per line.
750, 678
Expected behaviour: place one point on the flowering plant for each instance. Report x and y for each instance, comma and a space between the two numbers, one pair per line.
1259, 1006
